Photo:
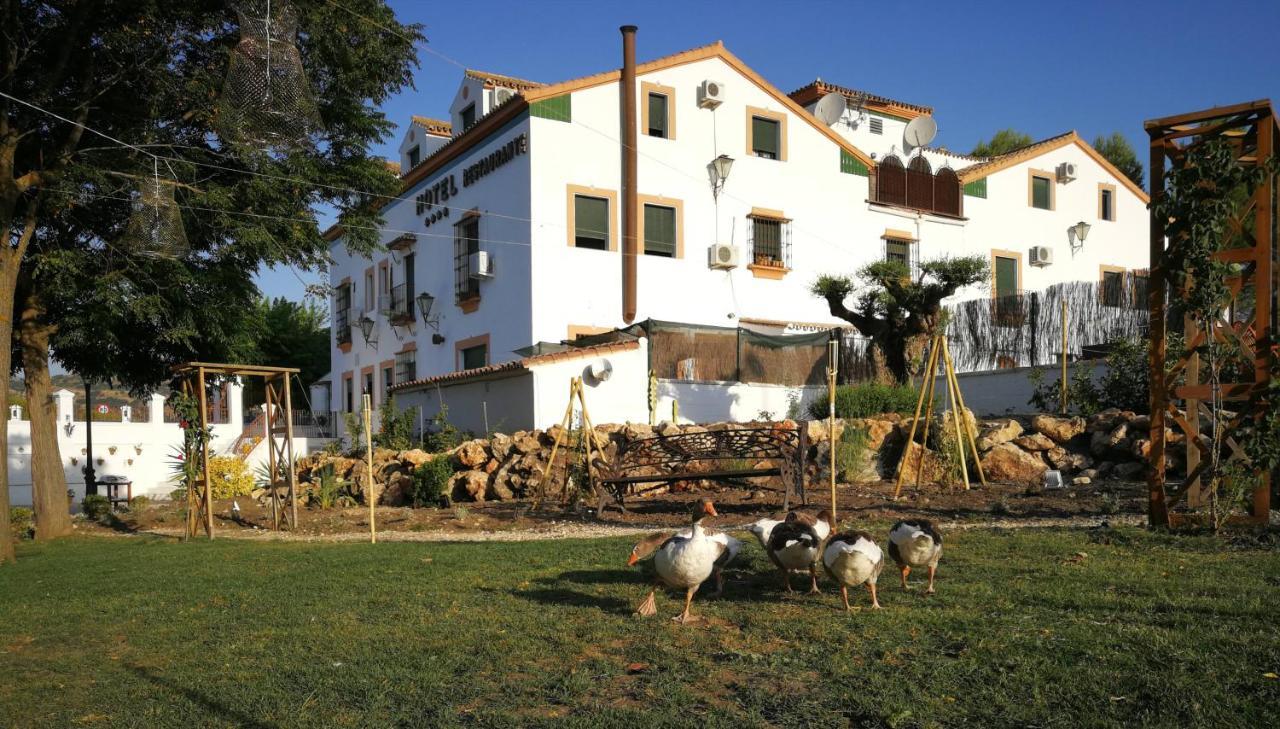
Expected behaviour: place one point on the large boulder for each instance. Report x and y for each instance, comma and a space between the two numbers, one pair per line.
500, 445
1034, 442
932, 469
414, 458
1008, 462
472, 454
1067, 461
1130, 471
397, 491
470, 486
997, 432
524, 444
1061, 430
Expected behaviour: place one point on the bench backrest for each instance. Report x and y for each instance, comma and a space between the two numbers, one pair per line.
714, 445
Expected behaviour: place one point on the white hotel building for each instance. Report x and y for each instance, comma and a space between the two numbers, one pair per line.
512, 217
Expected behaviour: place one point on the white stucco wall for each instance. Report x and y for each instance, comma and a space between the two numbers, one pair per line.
712, 402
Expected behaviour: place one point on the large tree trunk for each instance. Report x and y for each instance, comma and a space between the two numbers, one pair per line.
48, 481
8, 279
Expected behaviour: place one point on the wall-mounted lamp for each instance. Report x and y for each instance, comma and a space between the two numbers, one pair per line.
425, 302
1077, 233
69, 428
367, 325
720, 167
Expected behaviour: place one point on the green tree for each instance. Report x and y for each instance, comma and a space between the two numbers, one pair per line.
288, 334
893, 309
1120, 153
1002, 142
149, 73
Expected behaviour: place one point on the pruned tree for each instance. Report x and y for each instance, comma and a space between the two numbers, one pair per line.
81, 77
1002, 142
894, 309
1120, 153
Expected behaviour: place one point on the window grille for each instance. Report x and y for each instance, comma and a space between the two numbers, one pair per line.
406, 366
905, 252
769, 240
342, 314
466, 240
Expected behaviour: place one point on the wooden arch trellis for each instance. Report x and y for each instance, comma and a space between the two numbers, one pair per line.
1252, 131
277, 423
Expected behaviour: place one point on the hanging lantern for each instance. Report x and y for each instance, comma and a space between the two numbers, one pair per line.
266, 100
155, 227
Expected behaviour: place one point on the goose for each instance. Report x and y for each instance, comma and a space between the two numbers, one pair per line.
645, 548
852, 559
916, 543
686, 561
795, 544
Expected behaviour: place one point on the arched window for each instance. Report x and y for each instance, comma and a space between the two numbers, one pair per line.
946, 192
891, 181
920, 183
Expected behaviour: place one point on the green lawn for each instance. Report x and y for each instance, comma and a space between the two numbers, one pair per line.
1144, 630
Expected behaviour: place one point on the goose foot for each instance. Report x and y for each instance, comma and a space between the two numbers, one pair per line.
648, 608
875, 603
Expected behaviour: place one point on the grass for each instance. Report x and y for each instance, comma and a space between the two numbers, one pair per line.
1146, 629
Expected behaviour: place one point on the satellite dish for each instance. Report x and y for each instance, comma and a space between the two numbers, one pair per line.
830, 108
920, 131
601, 370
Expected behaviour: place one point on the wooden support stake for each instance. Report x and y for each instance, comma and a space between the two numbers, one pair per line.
968, 434
831, 418
204, 455
270, 442
961, 422
289, 460
915, 419
1064, 357
368, 477
928, 409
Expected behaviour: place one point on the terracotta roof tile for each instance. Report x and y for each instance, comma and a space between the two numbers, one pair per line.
517, 365
818, 88
433, 126
497, 79
999, 162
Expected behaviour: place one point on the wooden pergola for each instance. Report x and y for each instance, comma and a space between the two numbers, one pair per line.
1253, 133
278, 422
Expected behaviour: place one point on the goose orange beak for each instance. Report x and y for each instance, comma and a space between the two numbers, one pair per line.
631, 561
709, 508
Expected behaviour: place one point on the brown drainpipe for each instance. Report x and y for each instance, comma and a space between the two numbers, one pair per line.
630, 199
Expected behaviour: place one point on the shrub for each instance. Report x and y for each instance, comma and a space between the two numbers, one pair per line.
395, 431
23, 522
851, 449
431, 483
442, 435
867, 399
95, 507
330, 491
139, 503
229, 476
178, 494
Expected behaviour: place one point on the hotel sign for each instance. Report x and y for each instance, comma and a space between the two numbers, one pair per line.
431, 201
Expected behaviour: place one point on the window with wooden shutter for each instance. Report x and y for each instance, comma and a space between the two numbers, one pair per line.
657, 115
475, 357
591, 222
1040, 194
659, 230
764, 137
1113, 287
1006, 287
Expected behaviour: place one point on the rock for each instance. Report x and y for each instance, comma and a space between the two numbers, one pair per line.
667, 429
1105, 468
499, 491
1068, 461
491, 466
1106, 420
999, 432
397, 491
1129, 471
414, 458
756, 495
1008, 462
1081, 481
1061, 430
1114, 441
470, 486
636, 431
472, 454
1140, 423
500, 446
878, 431
1034, 442
1089, 473
525, 444
931, 467
1141, 448
816, 430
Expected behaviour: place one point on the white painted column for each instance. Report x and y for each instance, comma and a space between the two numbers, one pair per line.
65, 403
15, 412
157, 409
235, 405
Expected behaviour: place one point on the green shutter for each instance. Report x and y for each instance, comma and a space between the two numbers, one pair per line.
657, 116
852, 165
977, 188
591, 218
1040, 193
764, 136
1006, 276
559, 108
659, 230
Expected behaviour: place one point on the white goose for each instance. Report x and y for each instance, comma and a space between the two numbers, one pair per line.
916, 543
852, 559
795, 545
686, 561
646, 547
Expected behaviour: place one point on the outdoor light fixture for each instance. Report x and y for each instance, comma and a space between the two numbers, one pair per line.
366, 328
425, 302
69, 428
1077, 233
720, 167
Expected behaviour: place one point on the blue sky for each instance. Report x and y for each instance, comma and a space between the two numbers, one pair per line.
1040, 67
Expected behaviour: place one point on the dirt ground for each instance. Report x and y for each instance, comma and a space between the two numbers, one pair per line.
993, 505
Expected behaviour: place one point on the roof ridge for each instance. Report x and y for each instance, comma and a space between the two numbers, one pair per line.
519, 364
489, 76
849, 91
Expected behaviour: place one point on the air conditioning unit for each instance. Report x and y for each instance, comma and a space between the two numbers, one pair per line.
722, 256
501, 96
1066, 172
1041, 256
710, 94
481, 265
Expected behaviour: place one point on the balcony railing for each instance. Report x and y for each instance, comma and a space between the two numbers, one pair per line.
917, 186
400, 307
342, 326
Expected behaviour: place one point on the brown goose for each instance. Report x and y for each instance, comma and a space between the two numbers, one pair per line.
916, 543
